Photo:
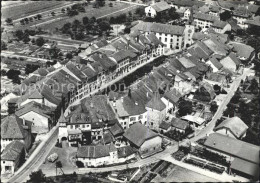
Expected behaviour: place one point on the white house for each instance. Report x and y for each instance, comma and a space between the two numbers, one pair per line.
157, 8
11, 157
204, 20
231, 62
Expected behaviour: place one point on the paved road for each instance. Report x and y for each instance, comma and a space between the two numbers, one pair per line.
36, 158
211, 125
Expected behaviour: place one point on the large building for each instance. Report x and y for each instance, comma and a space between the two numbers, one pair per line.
172, 36
146, 141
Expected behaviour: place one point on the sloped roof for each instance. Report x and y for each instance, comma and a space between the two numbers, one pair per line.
97, 151
219, 24
36, 107
161, 6
107, 137
12, 151
242, 50
235, 125
156, 103
122, 54
245, 167
12, 128
216, 46
125, 151
36, 95
116, 129
216, 63
173, 96
205, 17
159, 28
164, 125
179, 123
231, 57
138, 134
255, 21
217, 77
234, 147
209, 88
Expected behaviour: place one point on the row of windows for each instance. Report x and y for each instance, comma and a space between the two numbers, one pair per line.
78, 126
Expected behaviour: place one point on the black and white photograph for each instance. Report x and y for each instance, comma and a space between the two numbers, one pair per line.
130, 91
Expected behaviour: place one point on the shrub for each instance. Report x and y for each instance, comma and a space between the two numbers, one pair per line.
80, 164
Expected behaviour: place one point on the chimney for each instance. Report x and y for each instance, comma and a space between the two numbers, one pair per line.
129, 93
122, 99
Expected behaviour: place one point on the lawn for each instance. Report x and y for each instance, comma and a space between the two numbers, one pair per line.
90, 12
25, 9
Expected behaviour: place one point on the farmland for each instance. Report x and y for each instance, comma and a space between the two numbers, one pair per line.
118, 8
26, 9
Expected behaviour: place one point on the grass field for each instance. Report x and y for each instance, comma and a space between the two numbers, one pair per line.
90, 12
25, 9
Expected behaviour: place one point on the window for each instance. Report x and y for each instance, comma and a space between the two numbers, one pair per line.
166, 39
132, 119
140, 117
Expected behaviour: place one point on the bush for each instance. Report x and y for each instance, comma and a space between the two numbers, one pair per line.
80, 164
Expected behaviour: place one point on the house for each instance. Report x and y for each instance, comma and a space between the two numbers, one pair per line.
41, 116
243, 52
179, 125
214, 10
182, 5
170, 99
241, 14
194, 121
156, 9
205, 92
146, 141
254, 22
231, 62
203, 20
232, 127
217, 46
214, 64
221, 26
165, 127
156, 111
244, 157
94, 156
13, 128
125, 153
217, 78
12, 156
172, 36
4, 102
116, 130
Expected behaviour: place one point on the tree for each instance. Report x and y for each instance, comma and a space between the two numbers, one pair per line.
39, 16
173, 15
53, 13
54, 52
26, 20
104, 26
185, 107
3, 45
254, 86
110, 4
37, 177
9, 21
18, 34
213, 107
225, 15
80, 164
26, 38
29, 68
85, 20
232, 8
127, 30
62, 10
69, 56
72, 13
100, 3
22, 22
40, 41
31, 19
257, 12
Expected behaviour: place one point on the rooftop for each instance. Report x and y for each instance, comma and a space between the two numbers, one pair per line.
178, 123
161, 6
97, 151
12, 151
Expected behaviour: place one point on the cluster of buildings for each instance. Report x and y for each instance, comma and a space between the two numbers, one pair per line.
114, 128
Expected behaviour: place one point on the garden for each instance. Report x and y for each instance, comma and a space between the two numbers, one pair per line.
181, 153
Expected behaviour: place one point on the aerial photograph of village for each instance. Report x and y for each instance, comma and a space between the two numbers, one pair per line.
130, 91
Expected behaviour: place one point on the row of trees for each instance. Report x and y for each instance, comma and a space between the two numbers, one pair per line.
164, 18
78, 30
30, 19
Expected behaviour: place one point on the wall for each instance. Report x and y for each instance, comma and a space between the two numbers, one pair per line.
168, 104
150, 10
40, 123
151, 146
7, 163
154, 118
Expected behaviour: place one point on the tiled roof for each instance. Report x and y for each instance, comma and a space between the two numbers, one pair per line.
153, 39
116, 129
161, 6
12, 151
255, 21
123, 54
205, 17
103, 60
173, 96
36, 95
156, 103
108, 137
125, 151
164, 125
36, 107
209, 88
75, 70
179, 123
219, 24
235, 125
97, 151
234, 147
242, 50
186, 62
216, 63
253, 8
245, 167
138, 134
159, 28
12, 128
216, 46
232, 57
217, 77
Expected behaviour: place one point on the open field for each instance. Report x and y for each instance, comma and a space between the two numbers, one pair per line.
25, 9
118, 8
179, 174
